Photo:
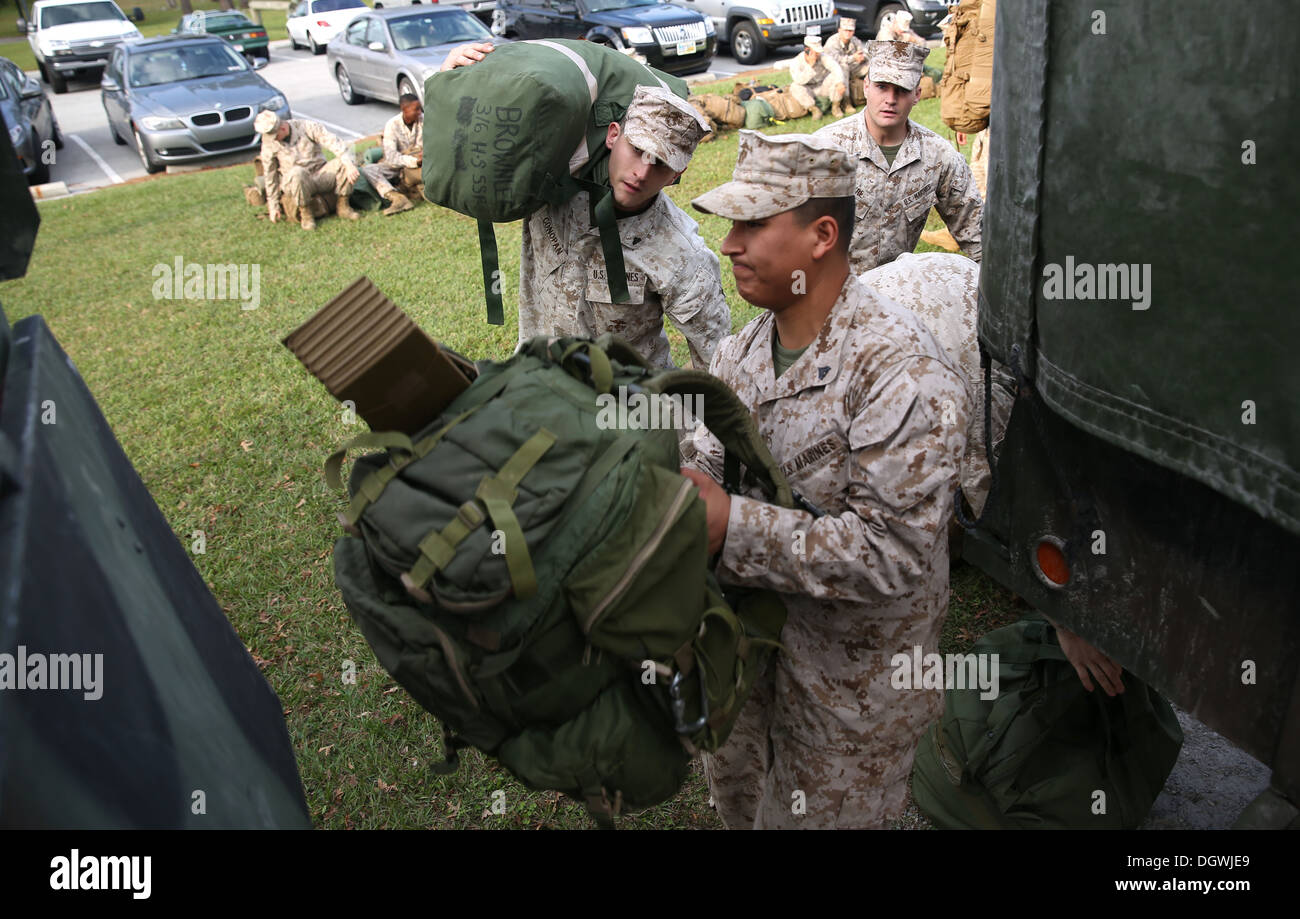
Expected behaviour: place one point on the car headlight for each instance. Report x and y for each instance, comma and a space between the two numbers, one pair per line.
16, 135
274, 104
708, 26
638, 35
157, 123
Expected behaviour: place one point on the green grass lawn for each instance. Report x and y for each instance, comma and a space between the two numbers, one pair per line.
229, 433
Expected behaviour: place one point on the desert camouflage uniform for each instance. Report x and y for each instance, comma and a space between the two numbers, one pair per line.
296, 167
942, 289
809, 80
979, 162
403, 145
858, 425
843, 55
894, 201
671, 272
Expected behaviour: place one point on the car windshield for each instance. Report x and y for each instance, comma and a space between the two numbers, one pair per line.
228, 21
79, 12
186, 62
326, 6
428, 29
601, 6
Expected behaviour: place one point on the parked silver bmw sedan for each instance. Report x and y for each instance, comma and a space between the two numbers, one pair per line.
388, 52
185, 97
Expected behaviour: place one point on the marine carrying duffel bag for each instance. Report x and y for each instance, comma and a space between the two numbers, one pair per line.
525, 127
533, 569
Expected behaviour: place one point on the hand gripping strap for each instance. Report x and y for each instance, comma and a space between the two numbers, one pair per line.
729, 420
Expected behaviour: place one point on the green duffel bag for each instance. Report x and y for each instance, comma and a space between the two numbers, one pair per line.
533, 569
1046, 753
525, 127
758, 112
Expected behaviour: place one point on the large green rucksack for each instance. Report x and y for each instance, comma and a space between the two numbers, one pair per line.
534, 571
1037, 755
525, 127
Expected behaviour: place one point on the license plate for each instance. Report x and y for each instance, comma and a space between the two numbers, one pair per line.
685, 47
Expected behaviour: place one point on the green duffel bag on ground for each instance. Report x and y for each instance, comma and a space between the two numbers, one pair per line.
1046, 753
525, 127
758, 113
533, 569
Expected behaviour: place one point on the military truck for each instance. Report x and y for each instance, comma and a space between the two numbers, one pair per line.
127, 700
1136, 282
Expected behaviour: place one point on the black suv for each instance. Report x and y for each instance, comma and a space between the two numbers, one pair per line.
671, 38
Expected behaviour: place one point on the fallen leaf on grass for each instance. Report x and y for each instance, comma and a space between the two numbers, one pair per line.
246, 444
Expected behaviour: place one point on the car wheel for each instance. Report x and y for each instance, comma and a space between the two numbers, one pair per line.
266, 54
41, 174
58, 133
58, 82
150, 164
884, 11
315, 48
405, 86
350, 95
746, 46
293, 42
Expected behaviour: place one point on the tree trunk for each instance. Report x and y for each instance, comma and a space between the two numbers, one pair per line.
186, 7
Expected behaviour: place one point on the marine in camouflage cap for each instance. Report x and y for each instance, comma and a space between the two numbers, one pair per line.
664, 125
266, 123
867, 416
777, 173
897, 62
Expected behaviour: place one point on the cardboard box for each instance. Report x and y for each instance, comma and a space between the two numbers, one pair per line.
367, 351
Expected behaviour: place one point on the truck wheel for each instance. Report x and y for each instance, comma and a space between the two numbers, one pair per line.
746, 46
883, 12
58, 82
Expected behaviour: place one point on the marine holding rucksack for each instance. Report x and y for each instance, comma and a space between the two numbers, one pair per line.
533, 569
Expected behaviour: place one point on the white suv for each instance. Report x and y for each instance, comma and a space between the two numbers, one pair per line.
68, 36
753, 27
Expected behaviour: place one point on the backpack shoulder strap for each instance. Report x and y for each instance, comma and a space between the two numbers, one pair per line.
730, 421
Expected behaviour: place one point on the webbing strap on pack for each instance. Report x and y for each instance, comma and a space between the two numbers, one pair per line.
373, 485
438, 548
487, 247
602, 373
603, 218
498, 494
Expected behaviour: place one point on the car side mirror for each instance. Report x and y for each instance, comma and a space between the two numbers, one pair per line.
260, 63
109, 85
137, 14
22, 26
32, 88
377, 46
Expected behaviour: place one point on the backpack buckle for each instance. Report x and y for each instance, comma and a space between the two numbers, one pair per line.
679, 704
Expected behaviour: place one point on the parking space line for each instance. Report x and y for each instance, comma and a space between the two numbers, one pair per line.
336, 128
99, 160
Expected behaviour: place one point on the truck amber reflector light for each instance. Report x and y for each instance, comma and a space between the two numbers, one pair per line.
1052, 563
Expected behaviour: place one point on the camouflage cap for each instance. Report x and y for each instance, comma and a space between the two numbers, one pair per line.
847, 23
778, 172
664, 125
896, 62
266, 123
813, 41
